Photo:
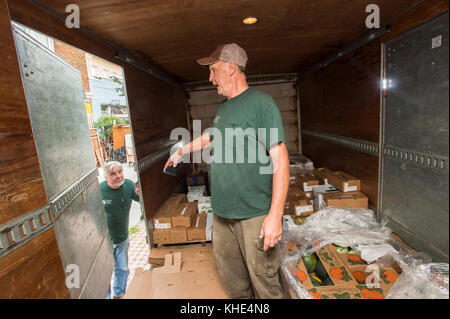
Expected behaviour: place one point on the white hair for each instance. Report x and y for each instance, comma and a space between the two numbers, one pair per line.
107, 168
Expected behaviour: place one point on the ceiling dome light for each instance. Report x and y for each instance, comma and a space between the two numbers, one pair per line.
250, 20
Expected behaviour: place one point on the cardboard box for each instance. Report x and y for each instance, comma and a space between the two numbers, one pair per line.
318, 191
198, 278
198, 229
344, 181
352, 260
332, 292
161, 236
184, 215
163, 217
336, 269
178, 235
299, 272
348, 200
322, 175
373, 293
196, 178
295, 190
367, 275
305, 181
301, 206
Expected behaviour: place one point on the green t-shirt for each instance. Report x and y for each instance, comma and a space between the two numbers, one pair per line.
243, 131
117, 204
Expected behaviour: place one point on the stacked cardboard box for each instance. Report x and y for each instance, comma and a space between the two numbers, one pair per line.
318, 192
349, 195
301, 205
198, 229
305, 181
344, 181
347, 200
176, 221
196, 178
339, 179
349, 276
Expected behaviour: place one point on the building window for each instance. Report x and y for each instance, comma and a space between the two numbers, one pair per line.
115, 110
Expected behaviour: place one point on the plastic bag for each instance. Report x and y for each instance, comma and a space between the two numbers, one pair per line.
341, 226
426, 281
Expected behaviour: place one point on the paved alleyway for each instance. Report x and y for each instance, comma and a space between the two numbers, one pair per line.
139, 250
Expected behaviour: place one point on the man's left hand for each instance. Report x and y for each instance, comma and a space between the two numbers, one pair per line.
271, 231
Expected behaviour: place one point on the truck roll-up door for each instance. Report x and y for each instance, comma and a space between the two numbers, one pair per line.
55, 100
414, 164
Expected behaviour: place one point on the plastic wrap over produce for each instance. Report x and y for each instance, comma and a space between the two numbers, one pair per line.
340, 226
426, 281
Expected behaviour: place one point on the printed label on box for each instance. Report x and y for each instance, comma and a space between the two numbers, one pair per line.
347, 188
302, 209
161, 226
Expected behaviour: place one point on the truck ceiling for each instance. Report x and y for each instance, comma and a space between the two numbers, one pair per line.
289, 37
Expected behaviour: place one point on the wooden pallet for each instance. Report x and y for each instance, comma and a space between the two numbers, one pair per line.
202, 242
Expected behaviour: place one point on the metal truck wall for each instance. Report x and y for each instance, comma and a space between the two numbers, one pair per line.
340, 111
55, 102
415, 168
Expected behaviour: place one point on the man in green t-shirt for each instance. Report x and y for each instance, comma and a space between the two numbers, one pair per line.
249, 178
117, 194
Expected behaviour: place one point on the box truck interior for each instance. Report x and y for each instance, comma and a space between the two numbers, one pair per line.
372, 102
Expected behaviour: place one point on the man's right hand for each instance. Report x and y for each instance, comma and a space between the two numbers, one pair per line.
174, 159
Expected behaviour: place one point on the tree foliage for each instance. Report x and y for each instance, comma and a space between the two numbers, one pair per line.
105, 124
121, 89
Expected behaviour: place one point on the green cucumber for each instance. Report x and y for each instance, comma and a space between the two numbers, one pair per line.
320, 271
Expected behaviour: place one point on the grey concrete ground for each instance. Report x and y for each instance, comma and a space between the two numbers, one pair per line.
130, 173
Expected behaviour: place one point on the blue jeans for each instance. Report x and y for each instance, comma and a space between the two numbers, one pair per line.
121, 270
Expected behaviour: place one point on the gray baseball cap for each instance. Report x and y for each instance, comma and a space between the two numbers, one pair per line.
226, 53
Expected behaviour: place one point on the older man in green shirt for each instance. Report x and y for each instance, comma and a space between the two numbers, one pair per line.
117, 194
247, 193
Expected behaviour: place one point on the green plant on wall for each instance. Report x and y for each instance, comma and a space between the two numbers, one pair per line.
105, 124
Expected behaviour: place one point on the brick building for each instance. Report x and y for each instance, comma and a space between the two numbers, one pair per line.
78, 59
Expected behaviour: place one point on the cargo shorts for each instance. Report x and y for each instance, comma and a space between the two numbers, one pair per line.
246, 270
